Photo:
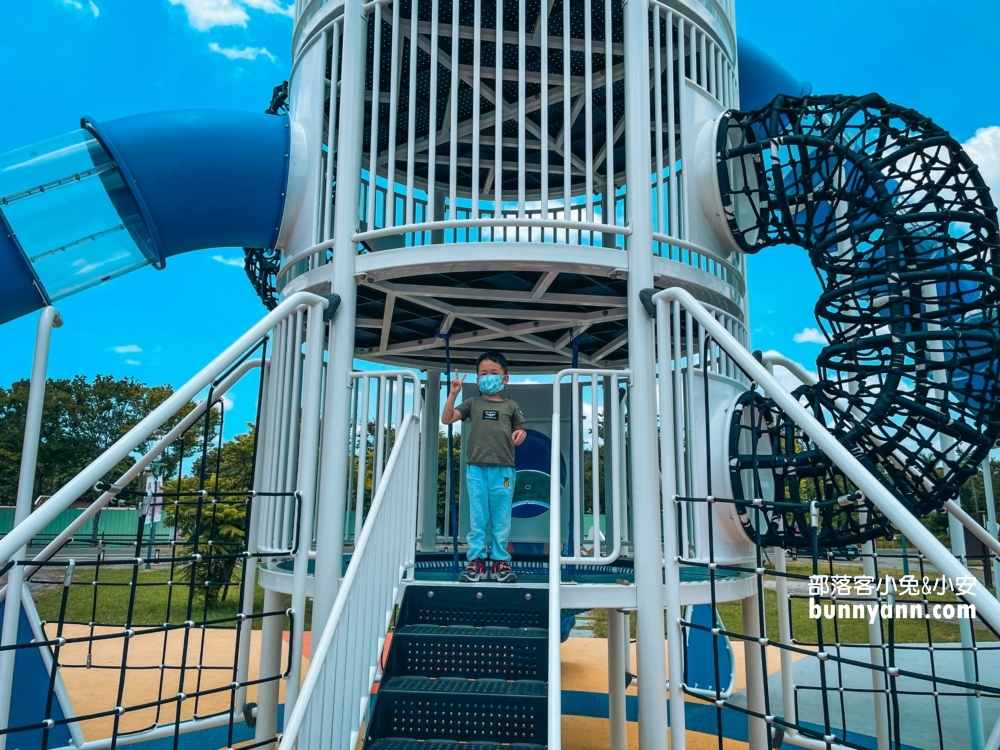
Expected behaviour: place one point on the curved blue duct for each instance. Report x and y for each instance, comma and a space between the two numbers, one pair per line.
97, 203
762, 78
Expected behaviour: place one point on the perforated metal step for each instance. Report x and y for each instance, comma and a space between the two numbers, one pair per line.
466, 670
477, 606
397, 743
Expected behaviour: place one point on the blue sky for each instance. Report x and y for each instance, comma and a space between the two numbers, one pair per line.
62, 59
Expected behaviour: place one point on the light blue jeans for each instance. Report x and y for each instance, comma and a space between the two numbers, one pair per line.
491, 490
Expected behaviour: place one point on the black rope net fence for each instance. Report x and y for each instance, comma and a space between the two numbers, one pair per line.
150, 638
840, 645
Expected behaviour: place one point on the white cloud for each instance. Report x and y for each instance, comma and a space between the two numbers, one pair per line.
131, 361
809, 336
247, 53
227, 403
984, 149
94, 9
72, 4
235, 262
128, 349
207, 14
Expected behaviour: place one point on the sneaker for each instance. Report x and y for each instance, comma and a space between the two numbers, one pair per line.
474, 571
502, 572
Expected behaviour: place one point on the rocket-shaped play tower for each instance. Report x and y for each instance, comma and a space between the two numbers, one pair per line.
577, 184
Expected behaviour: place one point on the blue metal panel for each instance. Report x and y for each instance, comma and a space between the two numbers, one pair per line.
20, 295
762, 78
202, 178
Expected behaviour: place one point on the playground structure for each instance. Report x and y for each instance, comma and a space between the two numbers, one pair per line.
575, 184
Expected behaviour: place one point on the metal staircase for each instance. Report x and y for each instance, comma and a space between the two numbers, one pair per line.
466, 664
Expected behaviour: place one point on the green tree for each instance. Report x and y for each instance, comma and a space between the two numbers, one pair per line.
214, 526
81, 419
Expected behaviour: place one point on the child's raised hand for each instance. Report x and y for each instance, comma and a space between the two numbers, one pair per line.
456, 385
518, 436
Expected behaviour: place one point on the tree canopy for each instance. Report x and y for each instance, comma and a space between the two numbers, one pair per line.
81, 419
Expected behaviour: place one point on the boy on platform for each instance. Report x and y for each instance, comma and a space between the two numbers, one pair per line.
495, 427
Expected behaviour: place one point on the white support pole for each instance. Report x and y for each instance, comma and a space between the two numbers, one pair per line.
306, 489
270, 666
991, 518
340, 361
429, 443
974, 708
617, 635
754, 668
877, 657
47, 320
642, 399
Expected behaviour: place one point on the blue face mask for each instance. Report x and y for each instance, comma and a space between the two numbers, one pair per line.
490, 384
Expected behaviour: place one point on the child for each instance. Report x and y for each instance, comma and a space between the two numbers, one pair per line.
495, 427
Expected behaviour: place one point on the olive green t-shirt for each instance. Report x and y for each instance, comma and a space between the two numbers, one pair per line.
488, 442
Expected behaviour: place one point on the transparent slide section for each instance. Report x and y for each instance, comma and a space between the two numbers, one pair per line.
69, 212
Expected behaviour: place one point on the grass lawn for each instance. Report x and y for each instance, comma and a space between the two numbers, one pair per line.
153, 594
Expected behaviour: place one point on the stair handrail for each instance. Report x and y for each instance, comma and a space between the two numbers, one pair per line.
556, 557
344, 660
987, 606
66, 535
62, 499
974, 527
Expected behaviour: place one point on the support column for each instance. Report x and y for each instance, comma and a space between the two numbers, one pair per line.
991, 519
47, 320
270, 665
617, 667
754, 668
340, 362
650, 645
881, 702
974, 708
429, 443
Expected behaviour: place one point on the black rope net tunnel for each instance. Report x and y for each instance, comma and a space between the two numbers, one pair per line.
902, 232
150, 644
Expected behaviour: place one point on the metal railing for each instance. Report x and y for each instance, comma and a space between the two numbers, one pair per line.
611, 450
677, 310
345, 659
379, 403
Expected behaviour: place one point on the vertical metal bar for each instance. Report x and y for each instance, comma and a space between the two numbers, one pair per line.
609, 121
381, 433
521, 118
757, 728
544, 69
430, 442
432, 129
499, 106
477, 43
411, 120
658, 120
588, 98
359, 500
991, 517
47, 320
642, 397
702, 72
330, 148
453, 111
555, 577
390, 196
617, 636
682, 196
567, 105
306, 481
337, 399
376, 18
270, 666
577, 452
667, 334
672, 196
595, 475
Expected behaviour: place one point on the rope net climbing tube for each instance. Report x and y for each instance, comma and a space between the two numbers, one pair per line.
902, 232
